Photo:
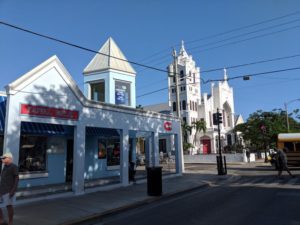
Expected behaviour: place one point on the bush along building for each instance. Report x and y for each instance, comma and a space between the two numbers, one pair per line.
58, 135
199, 134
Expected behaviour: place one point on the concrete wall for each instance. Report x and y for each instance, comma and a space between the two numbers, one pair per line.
211, 158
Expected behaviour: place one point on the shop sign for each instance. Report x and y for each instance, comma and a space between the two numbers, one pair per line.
44, 111
168, 125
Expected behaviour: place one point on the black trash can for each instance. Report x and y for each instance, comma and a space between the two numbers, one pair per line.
154, 181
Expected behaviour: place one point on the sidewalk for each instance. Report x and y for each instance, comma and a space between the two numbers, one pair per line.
76, 209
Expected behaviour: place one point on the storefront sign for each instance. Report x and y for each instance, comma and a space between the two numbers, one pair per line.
168, 125
35, 110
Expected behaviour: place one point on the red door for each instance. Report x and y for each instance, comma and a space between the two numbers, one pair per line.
206, 146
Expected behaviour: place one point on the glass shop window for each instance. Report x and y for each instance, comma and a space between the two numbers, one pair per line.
122, 93
113, 152
32, 156
98, 91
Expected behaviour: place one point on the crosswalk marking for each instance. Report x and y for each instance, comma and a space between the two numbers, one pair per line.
267, 182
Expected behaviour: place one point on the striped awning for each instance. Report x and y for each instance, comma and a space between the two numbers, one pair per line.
102, 132
42, 128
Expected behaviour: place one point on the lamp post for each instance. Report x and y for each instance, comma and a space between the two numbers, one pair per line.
286, 113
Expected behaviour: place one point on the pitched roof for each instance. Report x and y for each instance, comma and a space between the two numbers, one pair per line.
102, 61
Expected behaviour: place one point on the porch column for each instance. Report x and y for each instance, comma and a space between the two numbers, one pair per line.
124, 161
179, 160
133, 149
148, 151
12, 130
78, 159
155, 148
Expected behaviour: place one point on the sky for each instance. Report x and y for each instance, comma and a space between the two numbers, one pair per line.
217, 33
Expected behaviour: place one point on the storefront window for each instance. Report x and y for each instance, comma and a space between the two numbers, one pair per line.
122, 93
102, 149
33, 154
109, 149
98, 91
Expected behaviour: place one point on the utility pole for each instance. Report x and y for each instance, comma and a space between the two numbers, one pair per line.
176, 83
286, 113
287, 118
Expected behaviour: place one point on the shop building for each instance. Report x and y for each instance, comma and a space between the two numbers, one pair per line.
58, 135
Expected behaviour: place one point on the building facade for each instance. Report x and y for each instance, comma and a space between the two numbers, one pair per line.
59, 135
196, 106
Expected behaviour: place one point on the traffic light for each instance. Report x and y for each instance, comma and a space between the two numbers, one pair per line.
217, 118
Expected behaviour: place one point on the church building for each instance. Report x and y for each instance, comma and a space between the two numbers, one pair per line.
197, 107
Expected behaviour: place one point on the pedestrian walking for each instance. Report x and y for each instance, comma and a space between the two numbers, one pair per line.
8, 186
282, 162
248, 155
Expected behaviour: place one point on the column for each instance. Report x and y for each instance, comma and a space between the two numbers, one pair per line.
179, 160
12, 130
78, 159
155, 148
148, 151
133, 153
124, 160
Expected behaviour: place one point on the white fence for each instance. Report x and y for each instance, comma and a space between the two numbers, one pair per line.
211, 158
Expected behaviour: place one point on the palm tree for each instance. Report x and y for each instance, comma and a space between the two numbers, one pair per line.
199, 125
186, 130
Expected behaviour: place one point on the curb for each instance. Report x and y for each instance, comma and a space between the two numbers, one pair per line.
98, 216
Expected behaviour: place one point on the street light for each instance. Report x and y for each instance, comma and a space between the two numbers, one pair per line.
286, 113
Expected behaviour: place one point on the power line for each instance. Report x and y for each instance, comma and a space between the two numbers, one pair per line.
78, 46
231, 43
231, 78
245, 34
251, 63
227, 32
233, 67
254, 74
248, 39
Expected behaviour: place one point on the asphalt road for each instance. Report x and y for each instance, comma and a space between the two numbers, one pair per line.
257, 197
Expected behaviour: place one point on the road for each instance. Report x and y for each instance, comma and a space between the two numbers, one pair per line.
256, 196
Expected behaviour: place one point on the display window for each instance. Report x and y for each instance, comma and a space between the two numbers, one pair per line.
98, 91
109, 148
32, 156
122, 93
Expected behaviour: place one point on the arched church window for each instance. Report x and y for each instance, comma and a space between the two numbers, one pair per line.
174, 106
184, 105
181, 75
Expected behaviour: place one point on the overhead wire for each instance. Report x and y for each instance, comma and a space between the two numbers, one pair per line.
226, 44
78, 46
227, 32
230, 78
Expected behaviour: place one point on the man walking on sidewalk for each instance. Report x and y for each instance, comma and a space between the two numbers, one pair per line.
282, 162
8, 186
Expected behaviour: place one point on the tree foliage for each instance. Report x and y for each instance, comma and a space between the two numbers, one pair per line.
261, 128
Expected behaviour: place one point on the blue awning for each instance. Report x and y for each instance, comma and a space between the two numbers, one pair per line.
43, 128
2, 113
102, 132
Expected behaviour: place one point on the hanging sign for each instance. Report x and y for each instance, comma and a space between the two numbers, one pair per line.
168, 125
44, 111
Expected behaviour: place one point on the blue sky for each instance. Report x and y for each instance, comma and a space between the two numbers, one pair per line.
142, 28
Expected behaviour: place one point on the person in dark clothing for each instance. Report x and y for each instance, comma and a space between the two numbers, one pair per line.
282, 162
8, 186
248, 155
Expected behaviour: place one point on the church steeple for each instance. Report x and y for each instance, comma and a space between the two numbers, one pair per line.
225, 74
182, 51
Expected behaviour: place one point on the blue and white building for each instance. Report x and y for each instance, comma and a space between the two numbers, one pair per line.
58, 135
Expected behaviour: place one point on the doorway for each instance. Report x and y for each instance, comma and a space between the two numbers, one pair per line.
206, 146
